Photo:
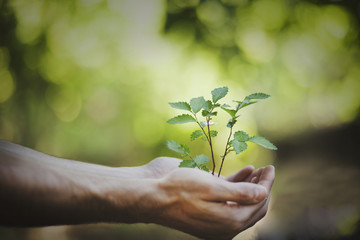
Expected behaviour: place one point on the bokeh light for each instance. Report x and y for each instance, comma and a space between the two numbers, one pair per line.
90, 80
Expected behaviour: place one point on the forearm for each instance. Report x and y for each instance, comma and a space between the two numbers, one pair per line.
23, 155
38, 189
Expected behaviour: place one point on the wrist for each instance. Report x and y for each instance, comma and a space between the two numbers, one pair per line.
128, 200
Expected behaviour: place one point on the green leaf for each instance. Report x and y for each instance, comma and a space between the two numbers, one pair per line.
205, 113
204, 168
229, 111
213, 133
201, 159
180, 119
208, 105
197, 103
217, 105
181, 105
176, 147
219, 93
194, 135
248, 99
241, 136
258, 96
187, 164
263, 142
245, 103
231, 123
225, 106
238, 146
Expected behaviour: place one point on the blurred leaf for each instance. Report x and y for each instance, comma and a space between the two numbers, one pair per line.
258, 96
194, 135
181, 105
241, 136
213, 133
187, 164
208, 105
204, 168
238, 146
201, 159
229, 111
244, 103
205, 113
180, 119
225, 106
179, 148
217, 105
197, 103
263, 142
219, 93
231, 123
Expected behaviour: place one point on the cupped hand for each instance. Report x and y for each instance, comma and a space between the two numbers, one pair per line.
205, 206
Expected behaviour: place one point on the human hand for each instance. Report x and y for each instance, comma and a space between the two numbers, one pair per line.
263, 176
208, 207
160, 166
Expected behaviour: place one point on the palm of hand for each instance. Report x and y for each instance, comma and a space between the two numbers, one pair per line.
210, 207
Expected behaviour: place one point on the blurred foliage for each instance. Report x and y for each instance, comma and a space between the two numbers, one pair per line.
91, 79
304, 54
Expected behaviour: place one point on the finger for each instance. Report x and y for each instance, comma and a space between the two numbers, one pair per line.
243, 193
258, 215
255, 173
245, 215
267, 177
254, 180
241, 175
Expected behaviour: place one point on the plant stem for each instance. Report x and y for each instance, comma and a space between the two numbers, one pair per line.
208, 137
202, 129
226, 151
210, 143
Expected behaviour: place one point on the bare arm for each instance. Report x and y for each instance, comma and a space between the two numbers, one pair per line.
38, 190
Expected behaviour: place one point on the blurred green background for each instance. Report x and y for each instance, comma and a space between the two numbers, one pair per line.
91, 80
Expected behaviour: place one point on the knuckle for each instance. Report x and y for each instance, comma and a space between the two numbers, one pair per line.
245, 193
245, 196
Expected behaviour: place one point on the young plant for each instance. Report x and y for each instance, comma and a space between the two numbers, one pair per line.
236, 142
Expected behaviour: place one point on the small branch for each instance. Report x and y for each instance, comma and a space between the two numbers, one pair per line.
226, 152
211, 147
202, 129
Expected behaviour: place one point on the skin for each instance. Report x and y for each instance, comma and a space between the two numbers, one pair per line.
42, 190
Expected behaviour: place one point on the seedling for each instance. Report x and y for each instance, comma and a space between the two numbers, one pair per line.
236, 142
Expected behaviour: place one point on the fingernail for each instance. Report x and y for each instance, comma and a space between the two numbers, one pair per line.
253, 180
